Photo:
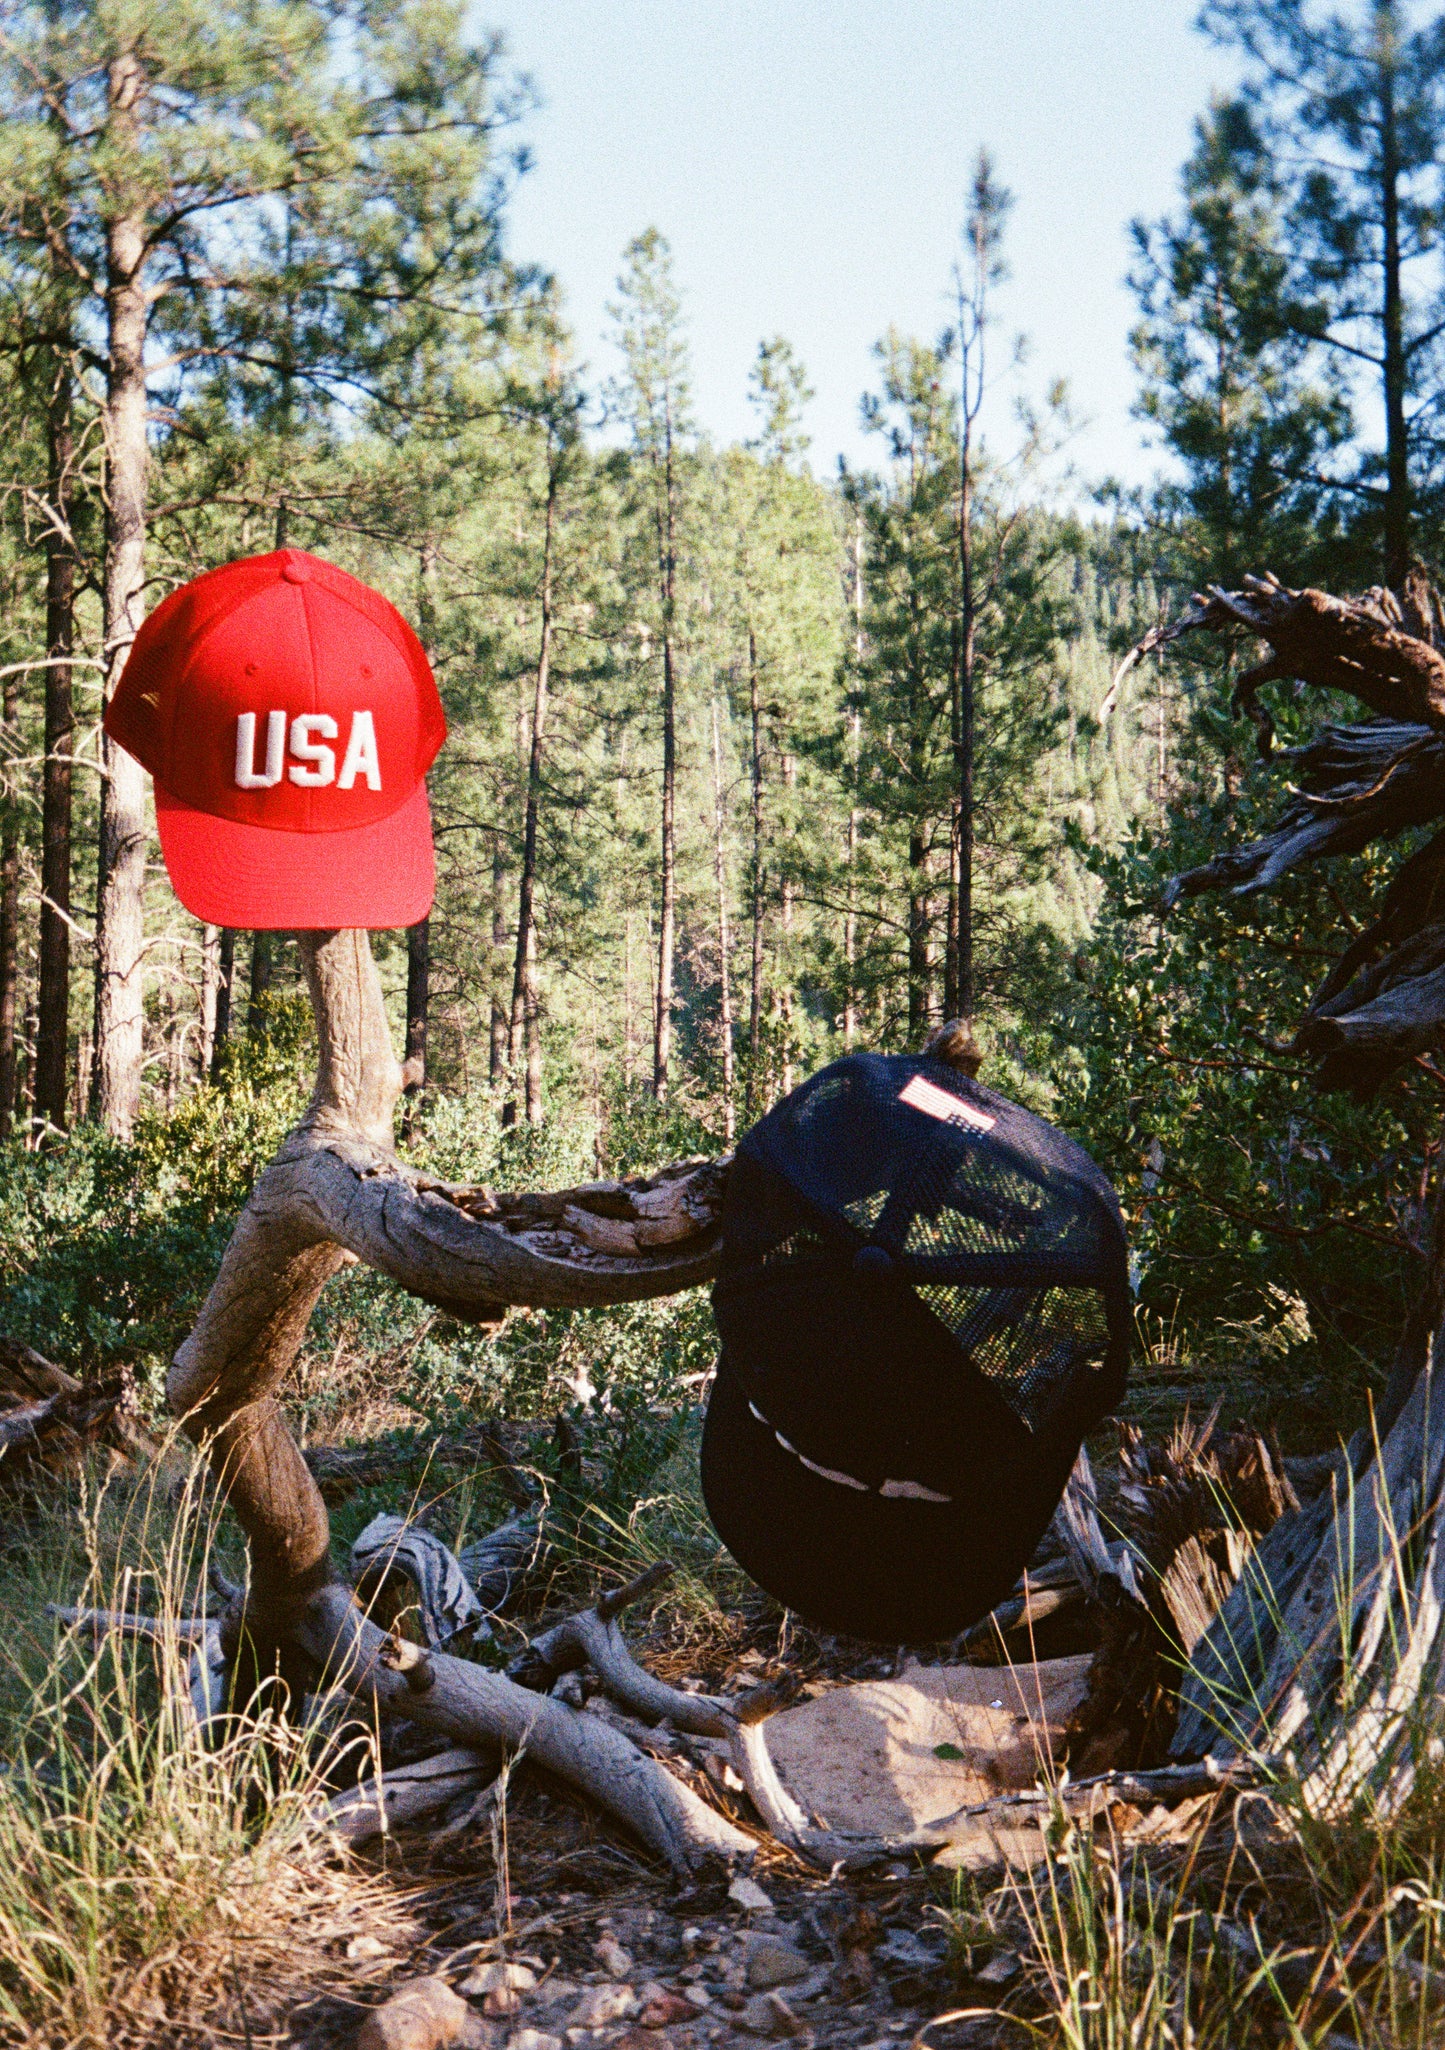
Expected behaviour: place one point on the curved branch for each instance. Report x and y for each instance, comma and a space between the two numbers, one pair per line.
336, 1192
484, 1710
1356, 784
1375, 648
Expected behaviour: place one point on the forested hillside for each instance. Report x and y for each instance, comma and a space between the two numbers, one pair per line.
754, 758
748, 764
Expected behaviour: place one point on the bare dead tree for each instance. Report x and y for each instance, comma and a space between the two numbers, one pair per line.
1331, 1639
335, 1193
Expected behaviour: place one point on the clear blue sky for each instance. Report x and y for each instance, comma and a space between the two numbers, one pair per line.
808, 163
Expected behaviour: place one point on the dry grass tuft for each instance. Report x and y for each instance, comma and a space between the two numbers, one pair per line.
153, 1890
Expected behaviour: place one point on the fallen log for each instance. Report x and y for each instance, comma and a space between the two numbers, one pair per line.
392, 1800
53, 1420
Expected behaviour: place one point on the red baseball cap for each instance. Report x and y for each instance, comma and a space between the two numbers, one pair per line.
288, 716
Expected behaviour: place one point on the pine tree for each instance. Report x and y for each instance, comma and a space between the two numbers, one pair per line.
556, 426
653, 398
1226, 372
1356, 110
909, 675
975, 277
155, 150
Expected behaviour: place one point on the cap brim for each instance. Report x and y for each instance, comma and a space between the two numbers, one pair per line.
254, 877
892, 1570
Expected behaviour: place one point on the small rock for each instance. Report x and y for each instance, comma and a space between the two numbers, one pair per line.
999, 1969
760, 2017
424, 2015
533, 2039
365, 1946
600, 2005
785, 2022
553, 1990
499, 1976
501, 2001
640, 2039
746, 1893
771, 1962
661, 2009
697, 1997
614, 1960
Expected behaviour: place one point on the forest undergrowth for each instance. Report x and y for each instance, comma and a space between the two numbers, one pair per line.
151, 1893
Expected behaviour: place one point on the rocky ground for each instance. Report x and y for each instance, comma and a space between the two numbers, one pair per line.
589, 1946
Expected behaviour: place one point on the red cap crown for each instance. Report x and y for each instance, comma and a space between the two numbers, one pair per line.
274, 700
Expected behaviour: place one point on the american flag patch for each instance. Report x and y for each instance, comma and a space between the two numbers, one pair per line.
938, 1103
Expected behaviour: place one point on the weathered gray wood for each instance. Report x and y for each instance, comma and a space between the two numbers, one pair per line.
1331, 1644
485, 1710
406, 1794
336, 1192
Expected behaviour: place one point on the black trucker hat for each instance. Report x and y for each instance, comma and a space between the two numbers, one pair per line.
923, 1304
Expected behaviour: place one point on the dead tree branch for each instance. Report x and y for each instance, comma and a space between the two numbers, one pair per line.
334, 1193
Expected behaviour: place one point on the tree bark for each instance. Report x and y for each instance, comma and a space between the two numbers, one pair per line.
756, 880
498, 1048
960, 999
1392, 321
418, 992
263, 969
526, 1024
786, 895
725, 999
121, 910
225, 985
666, 939
1329, 1650
336, 1191
52, 1052
9, 926
855, 728
210, 976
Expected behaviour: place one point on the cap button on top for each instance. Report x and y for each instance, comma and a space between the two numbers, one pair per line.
296, 572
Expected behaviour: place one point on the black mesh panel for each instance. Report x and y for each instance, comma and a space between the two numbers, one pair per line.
1030, 1343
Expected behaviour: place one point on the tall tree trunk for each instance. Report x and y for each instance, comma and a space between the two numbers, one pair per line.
785, 945
666, 939
920, 880
225, 988
210, 975
263, 971
725, 999
52, 1052
629, 1036
961, 997
25, 1074
9, 926
497, 1055
1397, 456
756, 879
418, 999
919, 913
418, 994
855, 728
526, 1021
627, 1026
120, 922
